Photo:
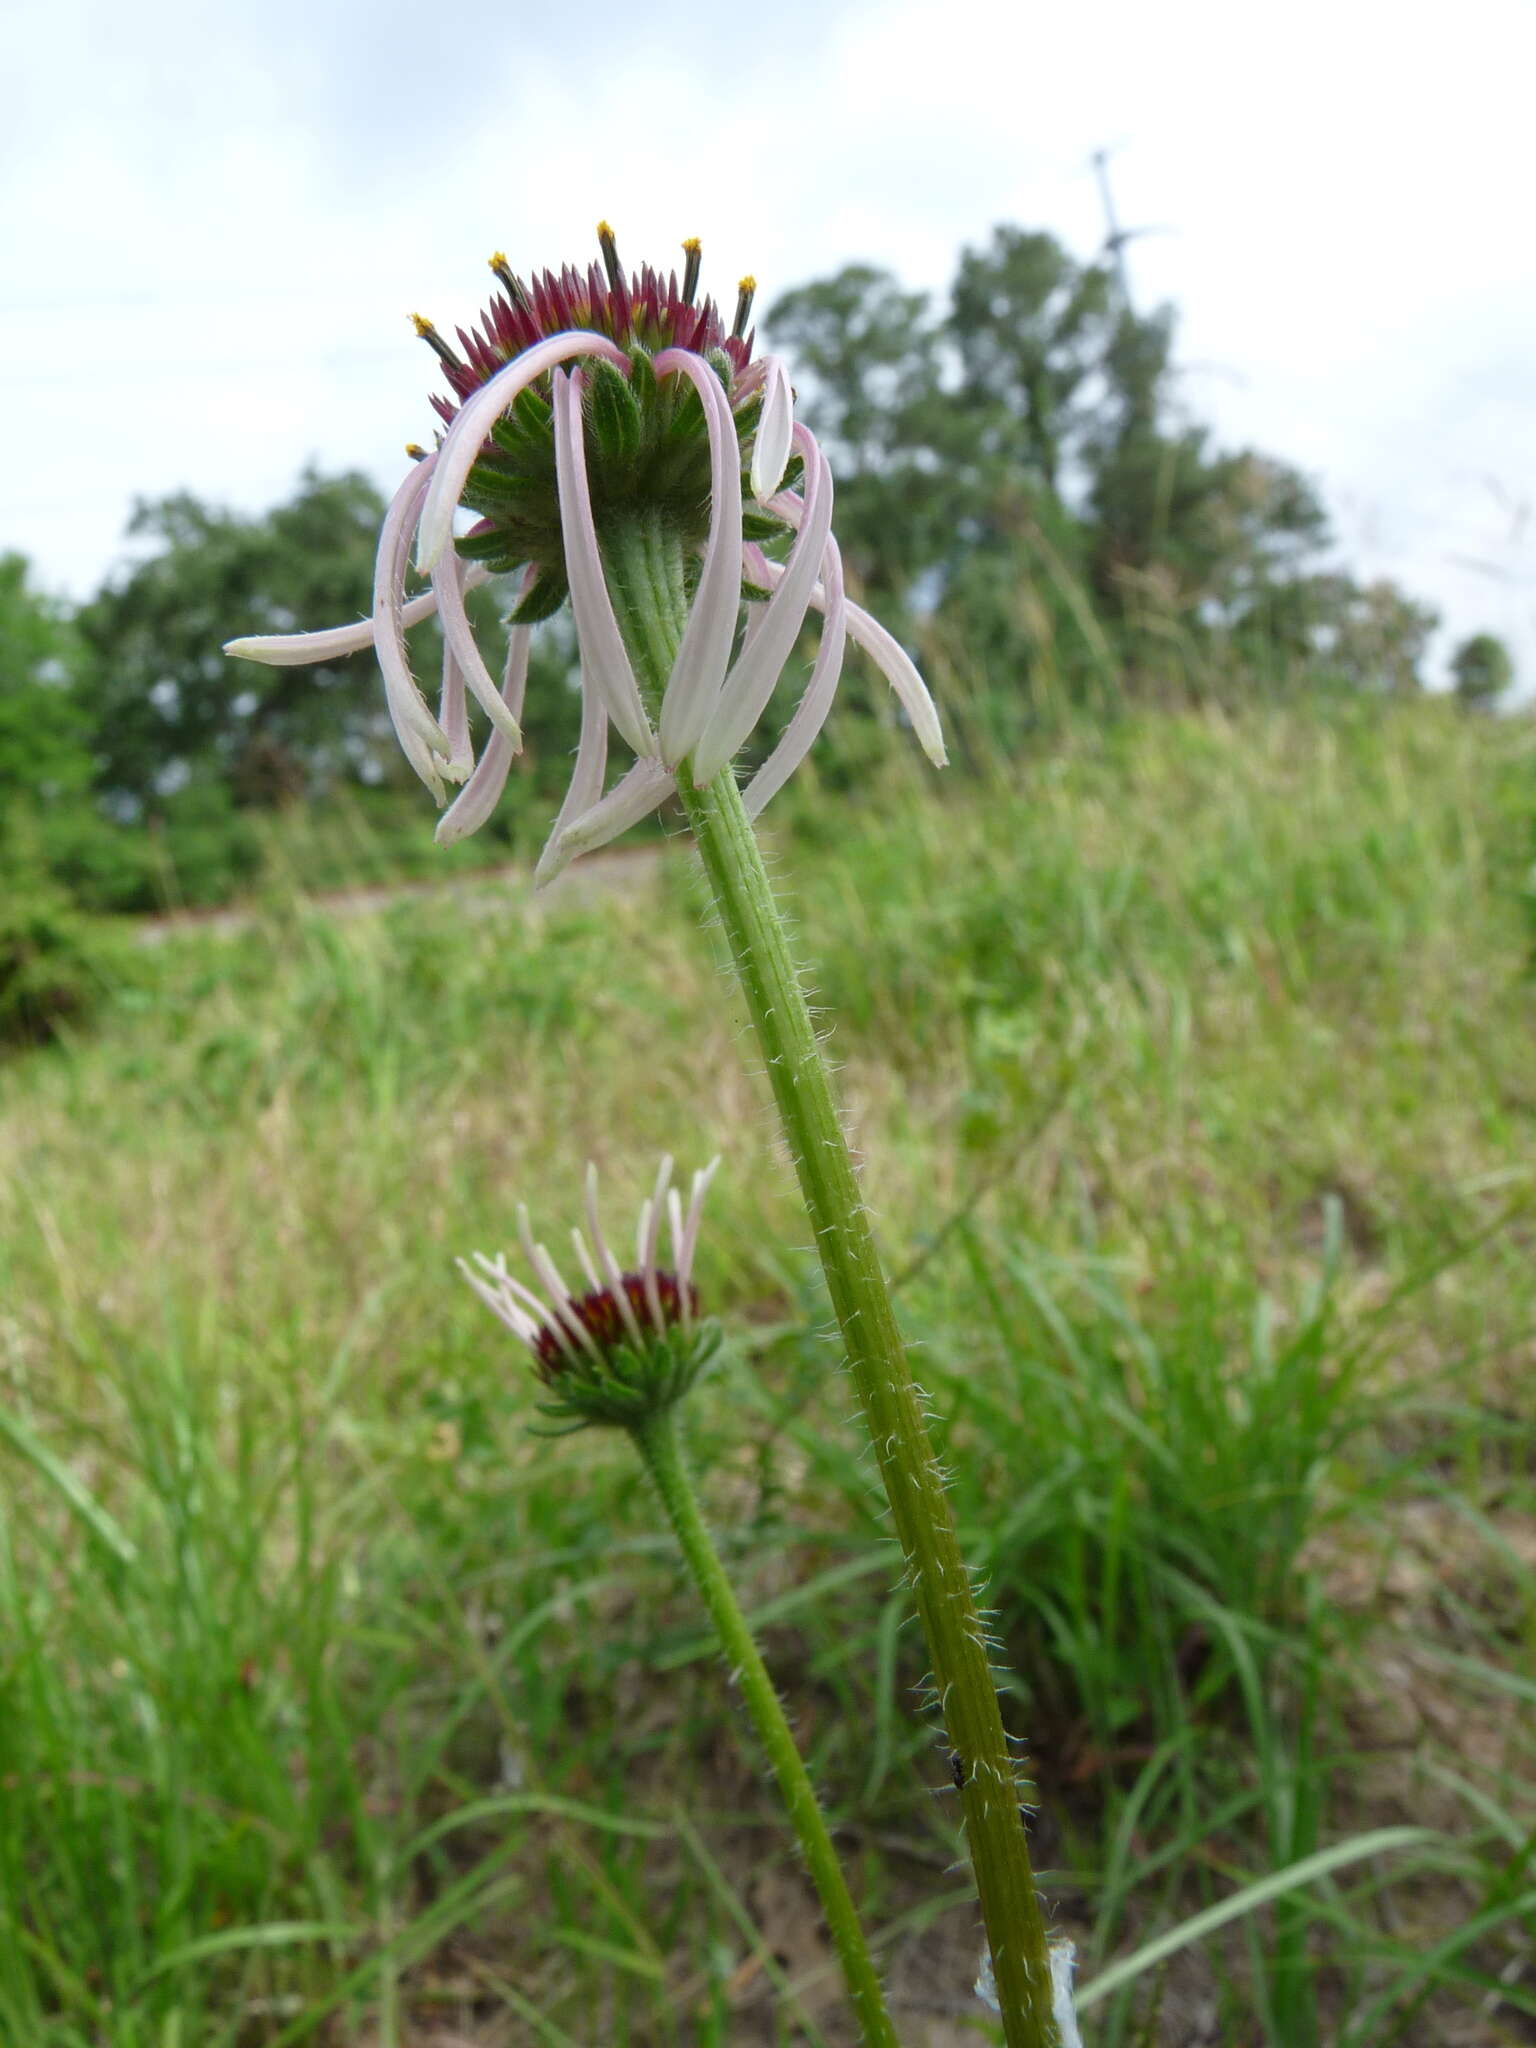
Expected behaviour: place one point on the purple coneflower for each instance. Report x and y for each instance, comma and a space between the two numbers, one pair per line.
632, 1341
580, 402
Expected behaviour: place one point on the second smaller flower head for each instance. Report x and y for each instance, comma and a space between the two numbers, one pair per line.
632, 1342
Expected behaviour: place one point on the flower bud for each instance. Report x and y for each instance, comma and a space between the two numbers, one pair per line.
632, 1342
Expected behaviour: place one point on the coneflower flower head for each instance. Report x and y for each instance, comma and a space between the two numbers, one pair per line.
630, 1342
584, 406
647, 442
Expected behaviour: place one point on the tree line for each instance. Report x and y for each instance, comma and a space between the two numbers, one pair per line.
1020, 494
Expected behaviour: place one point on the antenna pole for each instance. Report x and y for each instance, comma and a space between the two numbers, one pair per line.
1115, 237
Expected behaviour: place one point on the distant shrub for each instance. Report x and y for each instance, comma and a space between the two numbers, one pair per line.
208, 848
103, 866
54, 965
1483, 669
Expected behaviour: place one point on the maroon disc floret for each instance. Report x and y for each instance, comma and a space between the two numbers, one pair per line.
600, 1315
641, 308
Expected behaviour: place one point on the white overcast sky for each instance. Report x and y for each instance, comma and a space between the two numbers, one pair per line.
217, 217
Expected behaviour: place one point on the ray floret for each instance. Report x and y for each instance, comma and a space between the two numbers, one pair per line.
584, 404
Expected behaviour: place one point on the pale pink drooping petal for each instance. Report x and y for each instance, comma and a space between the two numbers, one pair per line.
634, 796
514, 670
421, 737
899, 670
645, 1248
701, 1181
481, 794
646, 1238
453, 717
448, 582
296, 650
479, 413
513, 1299
675, 1225
496, 1292
578, 1336
867, 633
586, 784
519, 1291
300, 650
810, 714
758, 667
610, 1264
603, 653
775, 428
748, 381
586, 1262
693, 689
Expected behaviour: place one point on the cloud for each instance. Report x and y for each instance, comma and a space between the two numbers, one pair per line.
219, 218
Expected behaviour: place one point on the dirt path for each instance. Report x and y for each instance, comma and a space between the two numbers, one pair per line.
481, 892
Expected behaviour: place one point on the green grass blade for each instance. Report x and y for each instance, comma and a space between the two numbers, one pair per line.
81, 1501
1248, 1900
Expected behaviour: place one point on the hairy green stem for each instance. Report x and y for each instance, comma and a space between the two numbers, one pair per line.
889, 1396
658, 1444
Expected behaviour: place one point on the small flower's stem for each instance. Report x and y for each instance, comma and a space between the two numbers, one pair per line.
888, 1395
658, 1444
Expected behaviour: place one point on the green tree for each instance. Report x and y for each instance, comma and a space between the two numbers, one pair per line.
1031, 328
173, 710
953, 438
1187, 538
867, 351
45, 726
866, 358
1014, 474
1323, 624
186, 736
1381, 638
1483, 669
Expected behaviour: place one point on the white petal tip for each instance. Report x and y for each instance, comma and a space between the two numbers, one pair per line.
673, 746
430, 548
553, 862
247, 650
775, 429
506, 725
451, 830
705, 770
767, 472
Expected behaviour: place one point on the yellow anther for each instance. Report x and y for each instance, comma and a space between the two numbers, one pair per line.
508, 282
415, 451
608, 243
693, 257
498, 262
429, 334
748, 285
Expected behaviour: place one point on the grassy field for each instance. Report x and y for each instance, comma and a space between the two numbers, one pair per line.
1194, 1066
